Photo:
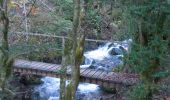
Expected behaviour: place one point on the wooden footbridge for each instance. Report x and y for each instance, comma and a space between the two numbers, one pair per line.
103, 78
100, 77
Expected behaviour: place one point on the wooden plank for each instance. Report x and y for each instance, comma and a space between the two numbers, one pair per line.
35, 65
47, 68
56, 67
91, 73
39, 68
99, 78
102, 75
82, 70
31, 64
50, 68
85, 72
97, 74
19, 63
26, 64
43, 66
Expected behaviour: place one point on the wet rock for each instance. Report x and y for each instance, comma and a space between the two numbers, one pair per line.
111, 45
123, 49
115, 51
106, 64
93, 62
119, 57
92, 66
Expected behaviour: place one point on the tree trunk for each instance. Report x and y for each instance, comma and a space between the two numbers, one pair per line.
75, 67
4, 47
6, 61
64, 70
5, 22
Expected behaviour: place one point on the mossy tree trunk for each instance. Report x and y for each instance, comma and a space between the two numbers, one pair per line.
75, 70
6, 60
76, 54
4, 48
64, 70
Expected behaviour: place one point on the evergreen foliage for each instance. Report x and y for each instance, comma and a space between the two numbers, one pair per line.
148, 22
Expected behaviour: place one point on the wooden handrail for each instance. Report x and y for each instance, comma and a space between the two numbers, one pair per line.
55, 36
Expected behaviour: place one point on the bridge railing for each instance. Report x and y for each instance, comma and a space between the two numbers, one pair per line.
39, 42
65, 37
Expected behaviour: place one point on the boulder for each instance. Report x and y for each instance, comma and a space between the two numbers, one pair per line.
106, 64
115, 51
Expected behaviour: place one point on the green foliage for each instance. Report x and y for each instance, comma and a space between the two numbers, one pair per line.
164, 71
155, 47
93, 18
147, 23
50, 23
64, 8
142, 92
140, 57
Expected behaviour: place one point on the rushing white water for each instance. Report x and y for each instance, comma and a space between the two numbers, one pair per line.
106, 57
50, 89
103, 51
98, 54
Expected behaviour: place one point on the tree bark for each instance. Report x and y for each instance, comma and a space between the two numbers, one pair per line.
4, 47
6, 61
64, 69
75, 67
5, 22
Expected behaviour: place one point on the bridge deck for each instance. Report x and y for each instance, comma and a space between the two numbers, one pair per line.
86, 75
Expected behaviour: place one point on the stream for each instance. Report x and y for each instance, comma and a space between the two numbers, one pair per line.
105, 57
